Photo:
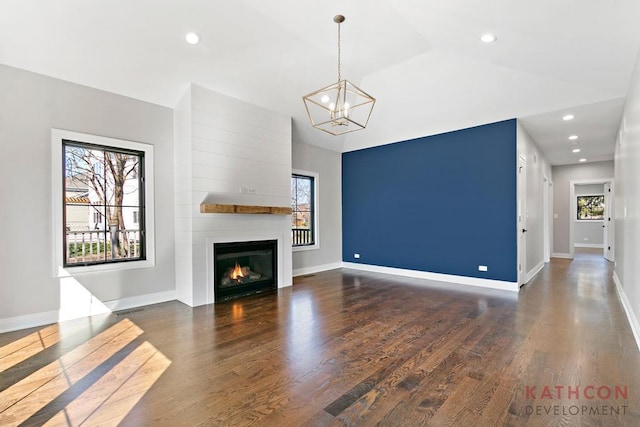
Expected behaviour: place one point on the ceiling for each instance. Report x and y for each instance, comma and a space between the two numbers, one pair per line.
421, 59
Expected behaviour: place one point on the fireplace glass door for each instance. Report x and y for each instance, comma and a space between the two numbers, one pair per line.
243, 268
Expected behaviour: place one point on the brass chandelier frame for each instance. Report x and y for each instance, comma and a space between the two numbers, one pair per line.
341, 107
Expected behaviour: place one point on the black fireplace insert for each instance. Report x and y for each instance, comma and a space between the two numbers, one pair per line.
244, 268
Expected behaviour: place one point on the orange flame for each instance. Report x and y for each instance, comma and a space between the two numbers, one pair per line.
237, 272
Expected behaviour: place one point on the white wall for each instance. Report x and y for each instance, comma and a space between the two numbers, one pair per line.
537, 169
30, 105
627, 203
223, 145
328, 164
589, 233
562, 202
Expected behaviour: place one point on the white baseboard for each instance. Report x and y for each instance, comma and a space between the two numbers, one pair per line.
588, 245
139, 301
46, 318
28, 321
628, 309
449, 278
316, 269
531, 274
561, 255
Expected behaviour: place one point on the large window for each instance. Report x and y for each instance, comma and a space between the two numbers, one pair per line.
102, 196
103, 203
303, 205
591, 207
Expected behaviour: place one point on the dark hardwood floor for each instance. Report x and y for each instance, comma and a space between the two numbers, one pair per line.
341, 348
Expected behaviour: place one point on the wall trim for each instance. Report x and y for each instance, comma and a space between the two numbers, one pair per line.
316, 269
628, 309
48, 317
139, 301
588, 245
449, 278
531, 274
561, 255
28, 321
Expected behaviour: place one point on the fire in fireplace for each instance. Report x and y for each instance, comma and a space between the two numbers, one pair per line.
243, 268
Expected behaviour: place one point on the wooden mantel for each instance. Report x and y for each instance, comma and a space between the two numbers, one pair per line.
244, 209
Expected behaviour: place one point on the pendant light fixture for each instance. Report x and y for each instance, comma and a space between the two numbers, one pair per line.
341, 107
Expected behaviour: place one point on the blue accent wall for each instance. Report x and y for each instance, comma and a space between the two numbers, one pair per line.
444, 203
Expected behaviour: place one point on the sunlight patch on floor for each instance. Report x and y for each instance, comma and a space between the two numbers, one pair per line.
109, 398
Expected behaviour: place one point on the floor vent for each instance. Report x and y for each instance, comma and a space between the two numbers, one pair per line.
125, 312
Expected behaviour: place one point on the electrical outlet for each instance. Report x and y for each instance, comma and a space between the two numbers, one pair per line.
356, 256
586, 239
482, 268
247, 190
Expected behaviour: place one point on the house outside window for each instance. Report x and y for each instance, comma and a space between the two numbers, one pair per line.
98, 183
590, 208
304, 216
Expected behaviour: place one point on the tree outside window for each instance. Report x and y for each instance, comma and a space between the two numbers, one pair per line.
591, 207
103, 194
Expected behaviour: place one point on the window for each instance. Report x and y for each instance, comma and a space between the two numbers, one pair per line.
102, 203
304, 210
110, 178
591, 207
97, 218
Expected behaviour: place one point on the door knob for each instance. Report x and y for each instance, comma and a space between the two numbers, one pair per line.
524, 230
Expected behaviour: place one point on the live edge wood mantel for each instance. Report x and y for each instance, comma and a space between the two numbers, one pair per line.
244, 209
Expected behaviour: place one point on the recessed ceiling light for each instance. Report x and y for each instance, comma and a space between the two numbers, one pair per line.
324, 99
582, 160
192, 38
488, 38
567, 117
573, 137
576, 150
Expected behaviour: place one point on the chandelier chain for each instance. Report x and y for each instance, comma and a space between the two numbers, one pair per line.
339, 74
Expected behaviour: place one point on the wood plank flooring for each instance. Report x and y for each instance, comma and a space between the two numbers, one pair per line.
341, 348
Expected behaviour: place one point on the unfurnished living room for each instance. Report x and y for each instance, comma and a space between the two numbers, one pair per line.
319, 213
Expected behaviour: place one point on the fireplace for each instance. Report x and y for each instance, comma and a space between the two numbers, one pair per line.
243, 268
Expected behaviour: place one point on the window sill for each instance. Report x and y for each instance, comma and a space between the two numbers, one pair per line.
118, 266
305, 248
588, 221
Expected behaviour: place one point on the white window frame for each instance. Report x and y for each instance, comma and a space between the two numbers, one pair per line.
316, 213
57, 137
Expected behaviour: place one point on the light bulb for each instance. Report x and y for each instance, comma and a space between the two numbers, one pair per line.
192, 38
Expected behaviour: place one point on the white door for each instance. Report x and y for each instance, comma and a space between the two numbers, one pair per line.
607, 239
522, 220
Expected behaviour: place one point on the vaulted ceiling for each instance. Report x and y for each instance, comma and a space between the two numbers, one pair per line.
421, 59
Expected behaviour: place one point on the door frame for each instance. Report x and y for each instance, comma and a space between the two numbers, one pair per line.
573, 211
608, 243
547, 203
521, 219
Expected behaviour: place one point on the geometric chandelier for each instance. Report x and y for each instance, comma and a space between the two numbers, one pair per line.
341, 107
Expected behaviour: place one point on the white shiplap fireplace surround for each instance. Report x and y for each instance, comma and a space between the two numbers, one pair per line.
231, 152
